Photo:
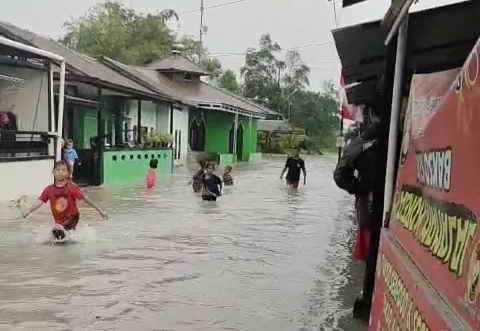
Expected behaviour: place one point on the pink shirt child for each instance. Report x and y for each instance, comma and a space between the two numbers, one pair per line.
151, 175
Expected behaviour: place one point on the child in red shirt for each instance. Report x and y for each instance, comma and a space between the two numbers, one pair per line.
63, 196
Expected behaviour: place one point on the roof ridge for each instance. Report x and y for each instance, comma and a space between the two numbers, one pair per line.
242, 98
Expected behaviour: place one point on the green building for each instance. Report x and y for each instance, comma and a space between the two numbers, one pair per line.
218, 121
121, 116
107, 115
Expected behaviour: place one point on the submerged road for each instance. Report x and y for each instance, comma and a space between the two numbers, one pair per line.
261, 258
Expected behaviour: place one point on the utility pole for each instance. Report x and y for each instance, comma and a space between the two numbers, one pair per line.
202, 10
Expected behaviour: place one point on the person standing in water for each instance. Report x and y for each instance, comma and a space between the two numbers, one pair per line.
197, 183
151, 175
294, 165
227, 177
70, 155
212, 184
63, 196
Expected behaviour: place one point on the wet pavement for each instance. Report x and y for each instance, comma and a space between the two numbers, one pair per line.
260, 258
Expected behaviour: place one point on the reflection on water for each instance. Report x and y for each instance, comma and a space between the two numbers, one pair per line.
260, 258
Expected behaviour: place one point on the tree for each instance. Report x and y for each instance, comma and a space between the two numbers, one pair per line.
271, 80
317, 113
110, 29
195, 52
262, 73
228, 81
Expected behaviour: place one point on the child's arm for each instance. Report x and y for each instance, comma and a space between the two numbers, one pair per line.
35, 206
98, 209
220, 184
304, 176
77, 158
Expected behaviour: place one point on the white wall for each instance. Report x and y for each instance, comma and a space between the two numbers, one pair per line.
22, 99
163, 122
180, 122
154, 115
24, 178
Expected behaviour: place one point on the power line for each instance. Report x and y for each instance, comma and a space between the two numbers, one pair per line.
214, 6
283, 50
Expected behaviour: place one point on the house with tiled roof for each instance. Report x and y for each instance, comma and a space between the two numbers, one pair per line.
121, 116
218, 121
106, 114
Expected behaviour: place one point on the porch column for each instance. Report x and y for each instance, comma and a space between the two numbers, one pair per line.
171, 118
100, 141
51, 98
139, 122
394, 117
61, 100
235, 128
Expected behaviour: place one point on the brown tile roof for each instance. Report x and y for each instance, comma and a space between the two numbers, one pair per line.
77, 63
176, 63
194, 93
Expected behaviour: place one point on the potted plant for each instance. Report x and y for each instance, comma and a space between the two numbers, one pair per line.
168, 140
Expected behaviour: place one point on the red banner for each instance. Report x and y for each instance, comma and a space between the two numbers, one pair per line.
436, 208
403, 298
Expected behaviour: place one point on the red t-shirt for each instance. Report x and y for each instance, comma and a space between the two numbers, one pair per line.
62, 201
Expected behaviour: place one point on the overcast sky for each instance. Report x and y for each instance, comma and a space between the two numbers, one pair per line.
233, 28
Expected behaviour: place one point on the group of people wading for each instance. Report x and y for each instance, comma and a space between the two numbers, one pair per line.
210, 186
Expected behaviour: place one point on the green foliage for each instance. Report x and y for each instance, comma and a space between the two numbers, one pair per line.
228, 81
271, 80
280, 83
111, 29
289, 143
198, 54
155, 138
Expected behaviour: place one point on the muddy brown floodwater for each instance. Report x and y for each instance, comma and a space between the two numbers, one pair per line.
260, 258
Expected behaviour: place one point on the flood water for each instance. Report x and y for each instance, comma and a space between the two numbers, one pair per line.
260, 258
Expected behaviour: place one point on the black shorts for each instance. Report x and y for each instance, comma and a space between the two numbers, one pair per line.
68, 225
209, 198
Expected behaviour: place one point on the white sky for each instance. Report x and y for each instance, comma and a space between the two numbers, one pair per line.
232, 28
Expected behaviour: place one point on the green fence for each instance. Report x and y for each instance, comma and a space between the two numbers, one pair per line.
130, 166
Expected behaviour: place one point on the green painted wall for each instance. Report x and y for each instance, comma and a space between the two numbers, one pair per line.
217, 135
131, 166
85, 126
249, 136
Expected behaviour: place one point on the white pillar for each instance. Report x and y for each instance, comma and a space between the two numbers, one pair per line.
394, 117
52, 100
61, 101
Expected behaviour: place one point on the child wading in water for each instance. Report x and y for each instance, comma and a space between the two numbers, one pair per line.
212, 185
227, 177
63, 196
197, 179
70, 155
151, 175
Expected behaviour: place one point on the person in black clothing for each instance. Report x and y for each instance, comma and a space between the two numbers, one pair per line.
212, 184
360, 172
294, 164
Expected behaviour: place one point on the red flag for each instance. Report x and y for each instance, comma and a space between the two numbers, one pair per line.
347, 110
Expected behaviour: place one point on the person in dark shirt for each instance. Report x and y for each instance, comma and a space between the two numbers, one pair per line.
294, 165
212, 184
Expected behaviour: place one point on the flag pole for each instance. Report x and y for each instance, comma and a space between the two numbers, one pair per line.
340, 137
